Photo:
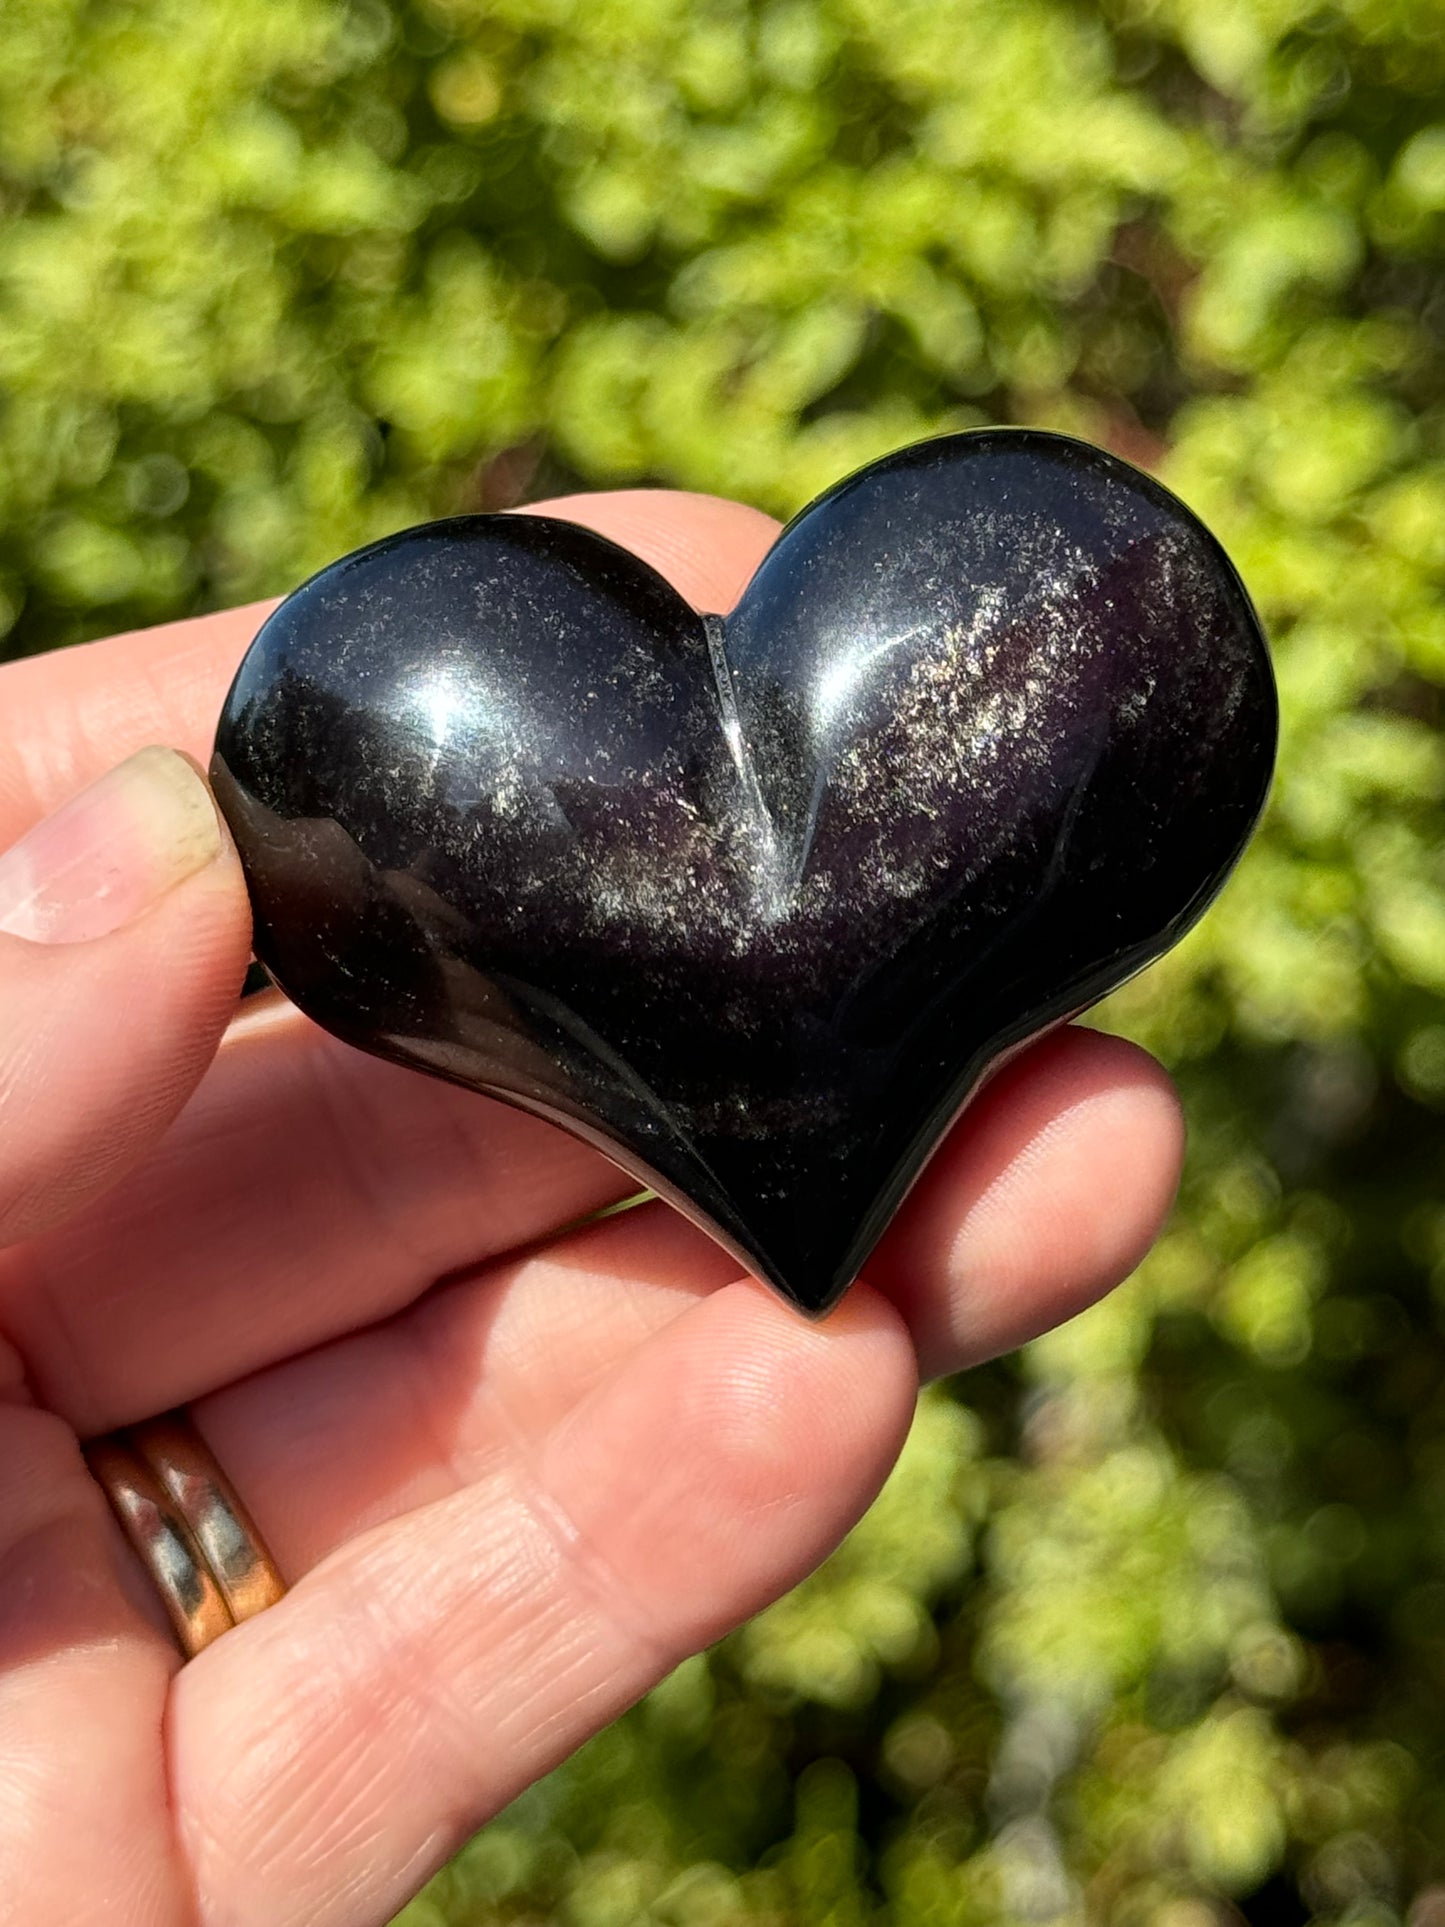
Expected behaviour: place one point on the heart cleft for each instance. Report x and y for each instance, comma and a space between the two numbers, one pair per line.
755, 902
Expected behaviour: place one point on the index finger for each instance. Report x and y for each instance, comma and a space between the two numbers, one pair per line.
70, 716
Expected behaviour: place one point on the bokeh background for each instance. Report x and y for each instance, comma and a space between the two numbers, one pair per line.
1149, 1627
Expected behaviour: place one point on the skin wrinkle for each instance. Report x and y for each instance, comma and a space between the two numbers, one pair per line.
397, 1684
397, 1678
627, 1297
45, 761
494, 1333
192, 669
992, 1201
756, 1393
313, 1849
577, 1550
750, 1411
749, 1450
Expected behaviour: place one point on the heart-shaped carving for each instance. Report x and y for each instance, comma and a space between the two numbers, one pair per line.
754, 902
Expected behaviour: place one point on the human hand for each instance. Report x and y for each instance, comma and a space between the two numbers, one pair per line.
512, 1478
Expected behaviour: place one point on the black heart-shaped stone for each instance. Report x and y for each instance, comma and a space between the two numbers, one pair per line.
754, 902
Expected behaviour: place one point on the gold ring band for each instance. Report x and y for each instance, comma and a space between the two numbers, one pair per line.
153, 1524
220, 1525
187, 1526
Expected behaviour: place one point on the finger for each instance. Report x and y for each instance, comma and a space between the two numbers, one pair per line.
306, 1190
70, 715
707, 547
1048, 1193
342, 1438
126, 934
326, 1756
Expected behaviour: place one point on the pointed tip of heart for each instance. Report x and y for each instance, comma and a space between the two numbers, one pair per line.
809, 1288
802, 1249
803, 1297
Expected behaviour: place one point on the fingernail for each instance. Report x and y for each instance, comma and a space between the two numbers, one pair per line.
109, 853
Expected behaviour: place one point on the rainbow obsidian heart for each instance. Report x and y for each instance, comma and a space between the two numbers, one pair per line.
753, 902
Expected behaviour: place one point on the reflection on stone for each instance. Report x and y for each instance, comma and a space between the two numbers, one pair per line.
754, 902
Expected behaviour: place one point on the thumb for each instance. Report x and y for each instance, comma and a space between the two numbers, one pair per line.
124, 935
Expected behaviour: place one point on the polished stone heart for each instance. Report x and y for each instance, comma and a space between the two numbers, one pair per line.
754, 902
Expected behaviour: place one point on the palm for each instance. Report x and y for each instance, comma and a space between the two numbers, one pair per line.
511, 1476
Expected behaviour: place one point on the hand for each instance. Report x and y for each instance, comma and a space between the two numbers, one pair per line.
510, 1483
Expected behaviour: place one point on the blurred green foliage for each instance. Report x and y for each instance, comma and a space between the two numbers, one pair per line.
1150, 1624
